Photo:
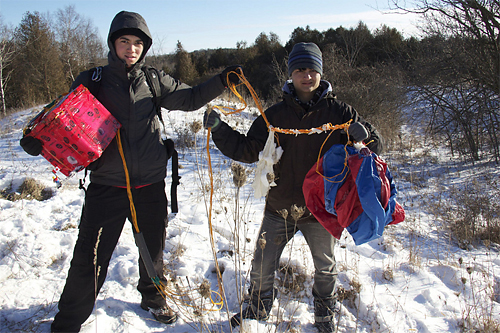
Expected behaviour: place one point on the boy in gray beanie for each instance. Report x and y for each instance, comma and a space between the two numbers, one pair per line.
308, 102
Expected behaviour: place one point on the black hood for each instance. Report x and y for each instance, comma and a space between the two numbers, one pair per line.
129, 22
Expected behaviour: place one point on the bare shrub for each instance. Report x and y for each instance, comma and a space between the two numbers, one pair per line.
291, 278
388, 274
377, 93
204, 289
349, 295
472, 215
195, 126
185, 138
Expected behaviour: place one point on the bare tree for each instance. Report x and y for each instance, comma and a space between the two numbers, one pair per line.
461, 83
377, 92
455, 113
79, 41
7, 54
477, 21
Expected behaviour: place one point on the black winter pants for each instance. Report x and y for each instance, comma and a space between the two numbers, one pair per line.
105, 210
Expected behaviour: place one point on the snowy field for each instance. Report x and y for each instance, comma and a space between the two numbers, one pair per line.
413, 279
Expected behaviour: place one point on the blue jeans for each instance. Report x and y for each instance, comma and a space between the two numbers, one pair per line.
277, 232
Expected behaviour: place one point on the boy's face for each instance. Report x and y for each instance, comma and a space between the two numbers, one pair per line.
305, 81
129, 48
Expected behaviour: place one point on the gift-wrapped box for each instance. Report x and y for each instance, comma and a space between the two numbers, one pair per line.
75, 130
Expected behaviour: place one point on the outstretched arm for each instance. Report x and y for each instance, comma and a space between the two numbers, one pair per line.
235, 145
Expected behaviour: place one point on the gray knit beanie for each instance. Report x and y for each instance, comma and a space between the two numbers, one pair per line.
305, 55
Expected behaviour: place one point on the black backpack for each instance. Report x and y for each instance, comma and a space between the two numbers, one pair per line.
153, 81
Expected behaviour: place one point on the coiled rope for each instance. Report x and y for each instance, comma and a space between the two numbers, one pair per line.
316, 130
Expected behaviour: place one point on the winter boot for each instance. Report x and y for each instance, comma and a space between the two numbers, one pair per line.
258, 309
163, 314
324, 311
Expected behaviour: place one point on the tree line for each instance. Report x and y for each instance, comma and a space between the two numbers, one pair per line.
449, 77
41, 57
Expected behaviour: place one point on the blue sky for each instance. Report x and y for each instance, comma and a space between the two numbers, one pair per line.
203, 24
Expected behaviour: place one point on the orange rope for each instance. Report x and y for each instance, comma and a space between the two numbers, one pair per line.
324, 128
127, 177
160, 286
222, 293
252, 92
210, 173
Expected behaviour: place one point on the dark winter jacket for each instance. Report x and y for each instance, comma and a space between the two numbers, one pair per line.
126, 95
300, 152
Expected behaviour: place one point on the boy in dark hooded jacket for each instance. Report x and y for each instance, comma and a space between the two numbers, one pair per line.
124, 92
308, 102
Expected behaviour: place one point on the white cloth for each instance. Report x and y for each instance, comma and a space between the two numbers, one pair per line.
267, 158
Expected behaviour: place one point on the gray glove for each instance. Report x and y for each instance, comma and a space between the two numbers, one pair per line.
358, 132
211, 119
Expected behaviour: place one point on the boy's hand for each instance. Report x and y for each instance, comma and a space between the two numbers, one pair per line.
358, 132
211, 119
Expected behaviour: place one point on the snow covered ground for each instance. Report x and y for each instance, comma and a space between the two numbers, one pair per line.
413, 279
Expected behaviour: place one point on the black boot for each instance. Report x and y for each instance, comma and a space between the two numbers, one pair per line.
324, 312
164, 314
258, 310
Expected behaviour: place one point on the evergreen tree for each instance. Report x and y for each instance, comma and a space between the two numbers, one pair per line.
388, 45
260, 69
185, 70
304, 35
38, 70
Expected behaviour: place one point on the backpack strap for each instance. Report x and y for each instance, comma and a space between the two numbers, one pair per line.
94, 83
175, 181
153, 81
82, 182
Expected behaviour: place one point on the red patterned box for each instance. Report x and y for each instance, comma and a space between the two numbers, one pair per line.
74, 130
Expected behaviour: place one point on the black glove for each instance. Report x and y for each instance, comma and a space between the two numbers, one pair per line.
232, 76
358, 132
31, 145
211, 119
170, 146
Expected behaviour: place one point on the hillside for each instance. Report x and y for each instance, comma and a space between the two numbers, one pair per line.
416, 278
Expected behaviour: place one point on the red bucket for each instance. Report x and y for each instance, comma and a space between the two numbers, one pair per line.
75, 130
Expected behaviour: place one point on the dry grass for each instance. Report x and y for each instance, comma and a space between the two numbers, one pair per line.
470, 214
30, 189
291, 278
